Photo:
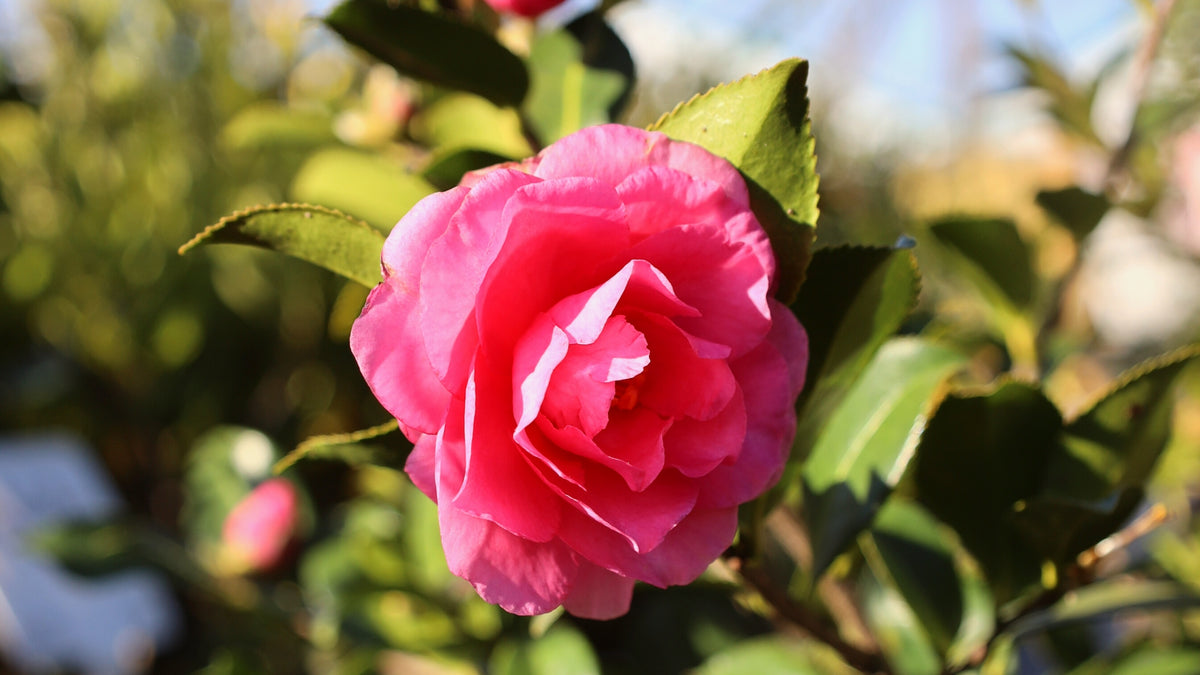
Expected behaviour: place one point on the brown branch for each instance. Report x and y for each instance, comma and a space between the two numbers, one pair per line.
809, 621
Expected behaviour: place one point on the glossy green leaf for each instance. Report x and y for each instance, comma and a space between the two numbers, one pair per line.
981, 456
1102, 600
446, 168
322, 236
368, 186
997, 259
563, 650
760, 124
867, 442
459, 120
907, 548
903, 640
566, 93
432, 47
270, 126
775, 656
1077, 209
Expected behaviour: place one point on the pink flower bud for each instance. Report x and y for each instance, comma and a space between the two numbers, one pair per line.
258, 530
528, 8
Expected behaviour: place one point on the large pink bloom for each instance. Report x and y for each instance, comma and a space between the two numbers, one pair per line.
523, 7
585, 352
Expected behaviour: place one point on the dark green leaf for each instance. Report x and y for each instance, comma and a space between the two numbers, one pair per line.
1115, 444
980, 458
566, 94
1077, 209
90, 549
867, 442
347, 448
322, 236
760, 124
1102, 600
446, 169
368, 186
604, 49
998, 260
912, 553
432, 47
902, 639
776, 656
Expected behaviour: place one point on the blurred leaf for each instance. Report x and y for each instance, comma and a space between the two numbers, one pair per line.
1105, 599
322, 236
980, 458
868, 441
346, 448
998, 260
903, 641
908, 549
221, 468
1116, 443
432, 47
460, 120
760, 124
1159, 660
775, 656
604, 49
1077, 209
268, 125
90, 549
1070, 105
446, 168
563, 650
565, 93
368, 186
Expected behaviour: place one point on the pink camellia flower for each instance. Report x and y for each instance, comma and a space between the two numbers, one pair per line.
585, 352
524, 7
258, 530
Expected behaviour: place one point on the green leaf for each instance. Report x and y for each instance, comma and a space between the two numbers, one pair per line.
322, 236
1159, 660
775, 656
1071, 106
760, 124
460, 120
89, 549
1105, 599
902, 639
446, 168
906, 547
997, 259
1077, 209
369, 186
432, 47
347, 448
1115, 444
866, 444
268, 125
980, 458
563, 650
566, 93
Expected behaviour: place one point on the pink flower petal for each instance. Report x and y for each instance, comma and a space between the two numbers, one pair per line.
627, 149
769, 385
682, 556
631, 445
696, 447
679, 383
522, 576
498, 483
598, 593
386, 342
724, 279
580, 391
454, 269
421, 463
658, 198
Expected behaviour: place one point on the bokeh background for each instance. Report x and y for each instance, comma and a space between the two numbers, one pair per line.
127, 126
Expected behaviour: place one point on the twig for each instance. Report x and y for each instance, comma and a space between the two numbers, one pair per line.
809, 621
1141, 78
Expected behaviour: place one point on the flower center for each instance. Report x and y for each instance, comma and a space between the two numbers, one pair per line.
625, 395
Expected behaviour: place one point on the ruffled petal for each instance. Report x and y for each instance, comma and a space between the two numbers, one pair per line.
599, 594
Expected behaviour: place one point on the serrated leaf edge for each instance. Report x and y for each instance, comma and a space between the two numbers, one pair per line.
267, 208
325, 440
1135, 373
